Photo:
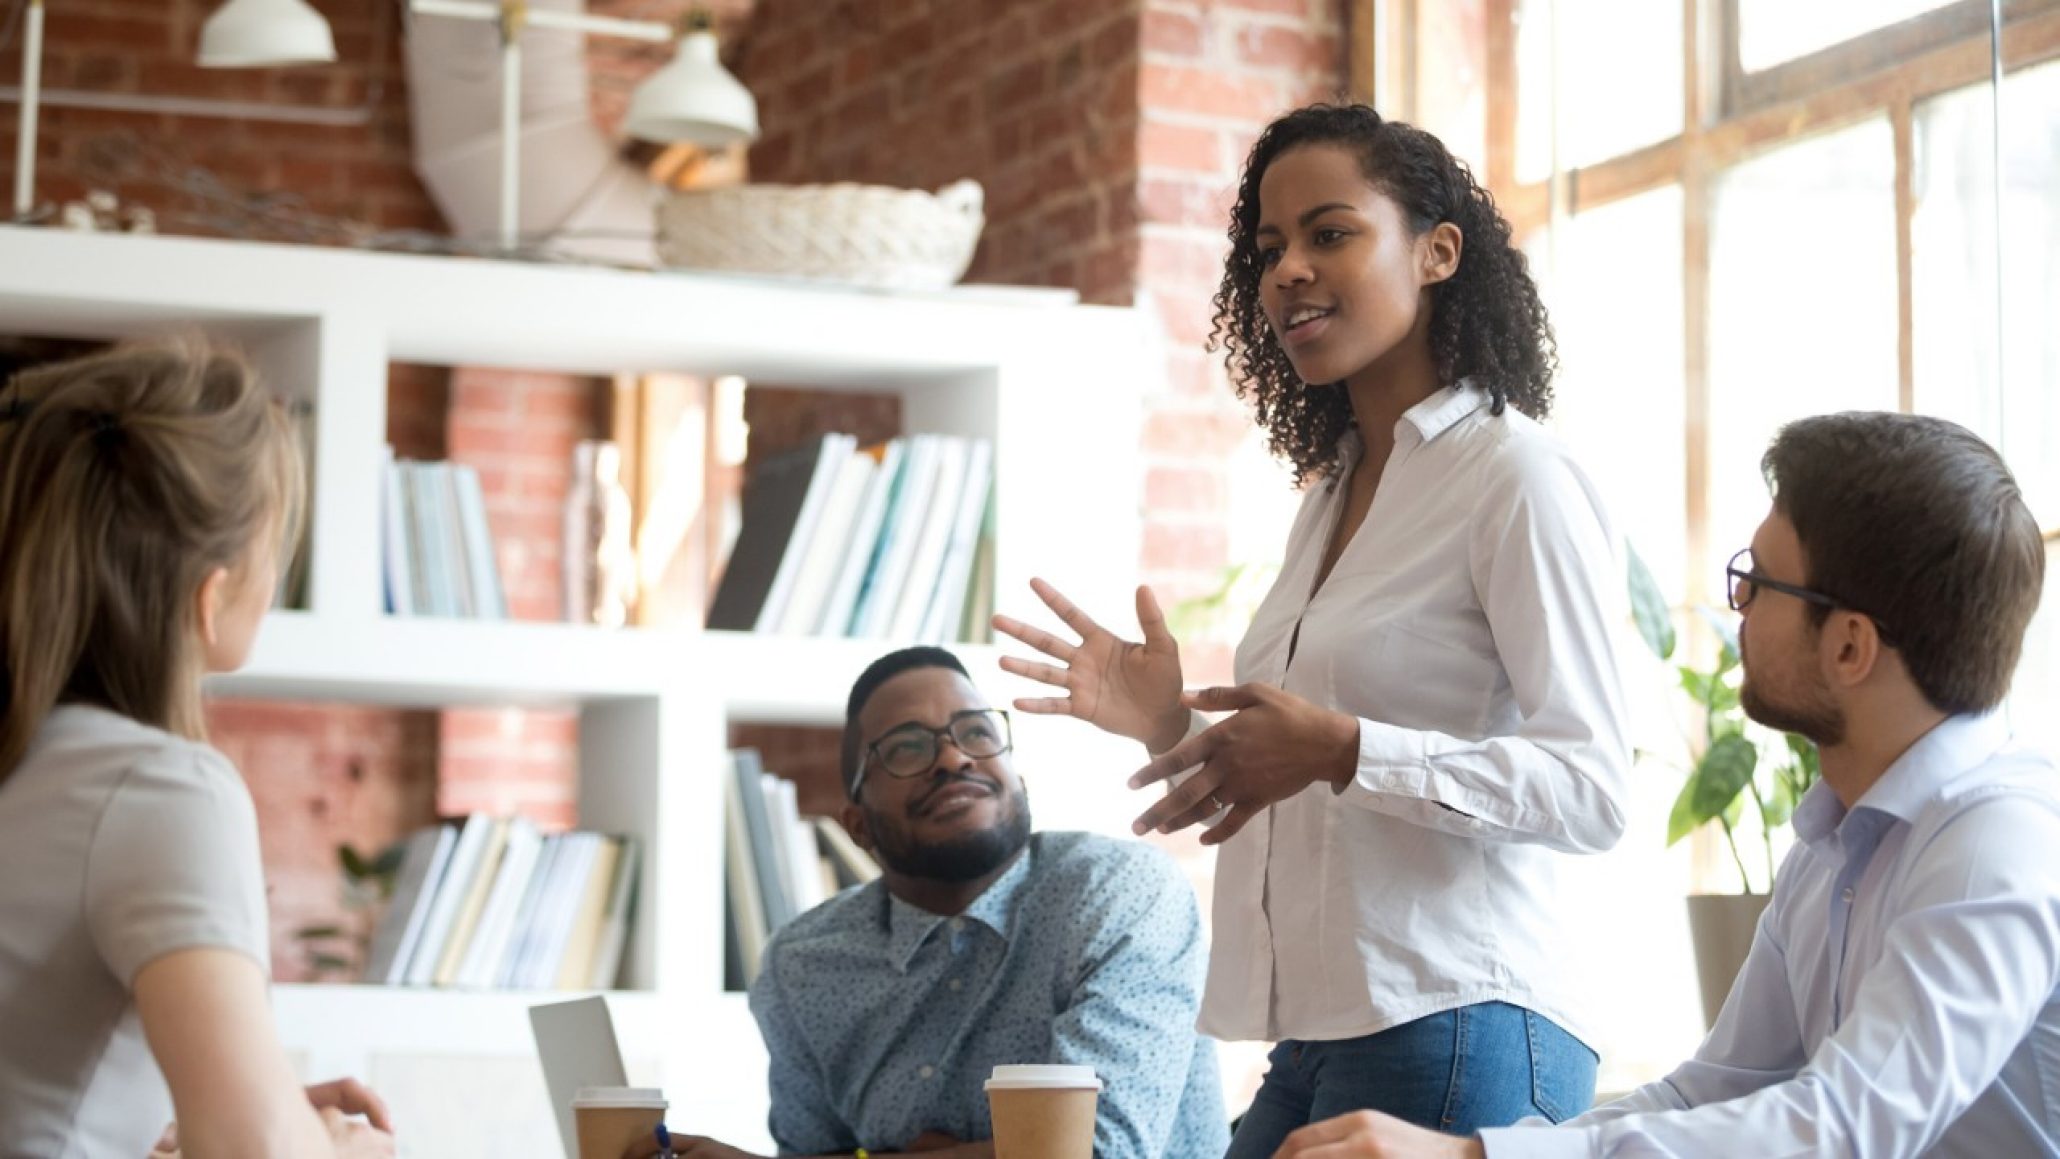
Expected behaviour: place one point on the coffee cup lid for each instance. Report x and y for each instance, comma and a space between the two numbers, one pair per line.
1044, 1077
620, 1097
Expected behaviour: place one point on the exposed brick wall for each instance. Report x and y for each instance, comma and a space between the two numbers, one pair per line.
324, 776
1035, 99
519, 428
1213, 73
361, 172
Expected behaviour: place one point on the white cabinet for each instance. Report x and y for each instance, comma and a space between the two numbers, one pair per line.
1055, 385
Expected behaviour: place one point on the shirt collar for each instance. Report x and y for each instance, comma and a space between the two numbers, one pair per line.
1430, 418
1443, 410
1957, 745
909, 926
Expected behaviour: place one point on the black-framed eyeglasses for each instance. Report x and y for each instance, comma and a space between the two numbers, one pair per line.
910, 750
1745, 584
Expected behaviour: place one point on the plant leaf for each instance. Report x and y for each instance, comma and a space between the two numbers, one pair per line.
1649, 607
354, 866
1726, 629
1713, 790
1682, 821
388, 862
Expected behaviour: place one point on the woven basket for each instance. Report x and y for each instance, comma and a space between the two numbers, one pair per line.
868, 235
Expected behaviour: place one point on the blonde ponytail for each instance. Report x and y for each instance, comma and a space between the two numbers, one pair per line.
125, 479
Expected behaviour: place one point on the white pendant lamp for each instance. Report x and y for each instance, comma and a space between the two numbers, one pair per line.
693, 99
265, 33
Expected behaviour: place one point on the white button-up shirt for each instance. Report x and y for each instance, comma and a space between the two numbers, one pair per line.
1899, 998
1468, 626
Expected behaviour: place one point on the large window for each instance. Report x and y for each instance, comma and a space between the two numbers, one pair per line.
1741, 212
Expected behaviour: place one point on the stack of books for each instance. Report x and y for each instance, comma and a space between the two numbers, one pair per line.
438, 551
496, 905
894, 541
779, 864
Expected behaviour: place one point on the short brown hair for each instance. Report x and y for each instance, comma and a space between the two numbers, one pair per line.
126, 478
1918, 523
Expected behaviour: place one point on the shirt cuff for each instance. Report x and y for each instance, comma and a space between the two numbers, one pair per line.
1538, 1142
1391, 761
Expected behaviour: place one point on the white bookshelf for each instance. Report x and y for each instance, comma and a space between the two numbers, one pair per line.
1057, 386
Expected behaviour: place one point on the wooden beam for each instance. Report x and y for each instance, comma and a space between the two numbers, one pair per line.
1694, 175
1364, 52
1877, 51
2026, 42
1501, 94
1902, 118
1953, 66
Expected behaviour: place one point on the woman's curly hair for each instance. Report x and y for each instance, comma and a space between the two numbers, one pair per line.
1487, 323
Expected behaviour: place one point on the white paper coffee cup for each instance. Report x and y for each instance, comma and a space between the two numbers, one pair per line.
1043, 1112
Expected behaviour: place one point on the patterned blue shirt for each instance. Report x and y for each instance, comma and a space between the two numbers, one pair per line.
883, 1020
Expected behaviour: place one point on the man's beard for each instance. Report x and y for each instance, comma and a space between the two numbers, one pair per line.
1818, 719
967, 858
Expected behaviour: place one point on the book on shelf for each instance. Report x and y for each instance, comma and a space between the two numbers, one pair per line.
825, 549
773, 500
480, 966
772, 891
879, 542
437, 549
852, 865
946, 605
745, 914
400, 928
448, 897
865, 535
493, 903
466, 921
931, 527
831, 452
777, 863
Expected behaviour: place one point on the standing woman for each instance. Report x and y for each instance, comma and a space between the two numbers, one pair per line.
1428, 711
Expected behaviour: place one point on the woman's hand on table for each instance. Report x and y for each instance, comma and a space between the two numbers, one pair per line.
1272, 746
1372, 1135
336, 1100
1121, 686
352, 1098
354, 1138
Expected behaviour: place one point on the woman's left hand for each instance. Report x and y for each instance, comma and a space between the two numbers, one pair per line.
1272, 746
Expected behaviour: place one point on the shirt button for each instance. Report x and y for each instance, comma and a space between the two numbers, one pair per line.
1847, 895
957, 924
927, 1071
957, 985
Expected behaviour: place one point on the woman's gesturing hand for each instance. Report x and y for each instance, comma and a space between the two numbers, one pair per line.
1126, 688
1272, 746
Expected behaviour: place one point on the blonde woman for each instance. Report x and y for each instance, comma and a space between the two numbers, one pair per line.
144, 494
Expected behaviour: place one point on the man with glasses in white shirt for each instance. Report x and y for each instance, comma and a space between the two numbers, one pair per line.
1900, 995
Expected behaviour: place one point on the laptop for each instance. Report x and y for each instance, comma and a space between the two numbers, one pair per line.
575, 1041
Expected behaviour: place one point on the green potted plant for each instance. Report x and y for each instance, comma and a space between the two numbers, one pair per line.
1733, 766
336, 950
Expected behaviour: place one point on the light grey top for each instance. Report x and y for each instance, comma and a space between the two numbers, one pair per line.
122, 843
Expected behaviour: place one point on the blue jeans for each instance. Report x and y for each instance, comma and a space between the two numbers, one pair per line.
1456, 1071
